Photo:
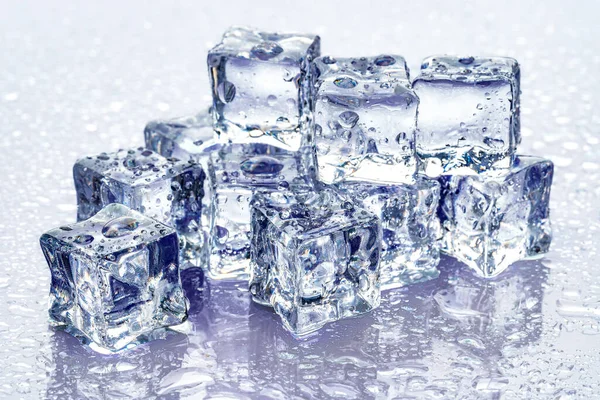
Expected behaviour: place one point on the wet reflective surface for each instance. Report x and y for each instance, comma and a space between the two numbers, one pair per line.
82, 79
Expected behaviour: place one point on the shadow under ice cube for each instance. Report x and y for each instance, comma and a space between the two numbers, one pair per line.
315, 257
490, 222
115, 277
166, 189
260, 86
411, 229
236, 172
365, 118
468, 114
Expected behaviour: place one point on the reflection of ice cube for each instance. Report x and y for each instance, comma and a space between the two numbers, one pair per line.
499, 311
489, 223
260, 86
468, 114
115, 277
410, 250
75, 373
168, 190
365, 116
315, 256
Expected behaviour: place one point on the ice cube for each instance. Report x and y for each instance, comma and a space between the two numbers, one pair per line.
315, 256
410, 226
115, 277
365, 118
184, 138
490, 222
260, 86
187, 138
166, 189
236, 172
468, 115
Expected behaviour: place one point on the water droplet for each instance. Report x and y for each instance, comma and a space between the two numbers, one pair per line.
271, 100
266, 50
348, 119
401, 137
328, 60
261, 166
226, 91
345, 83
119, 227
83, 239
479, 106
494, 143
384, 61
466, 60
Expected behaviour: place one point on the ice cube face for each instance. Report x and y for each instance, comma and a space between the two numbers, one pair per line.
185, 138
488, 223
315, 257
115, 277
260, 86
236, 172
365, 118
468, 115
166, 189
410, 228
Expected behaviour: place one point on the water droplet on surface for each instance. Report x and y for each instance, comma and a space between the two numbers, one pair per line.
83, 239
271, 100
348, 119
261, 166
226, 91
119, 227
384, 61
466, 60
266, 50
345, 83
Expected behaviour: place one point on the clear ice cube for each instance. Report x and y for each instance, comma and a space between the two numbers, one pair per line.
187, 138
365, 118
410, 228
115, 277
184, 138
166, 189
468, 114
236, 172
260, 86
315, 256
490, 222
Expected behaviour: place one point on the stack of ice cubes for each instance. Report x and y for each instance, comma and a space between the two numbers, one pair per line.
320, 181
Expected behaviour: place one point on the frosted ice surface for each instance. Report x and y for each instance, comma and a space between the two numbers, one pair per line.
468, 114
115, 277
